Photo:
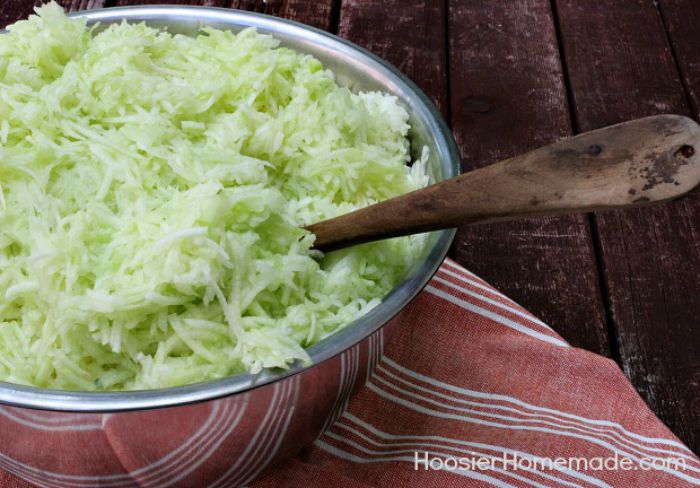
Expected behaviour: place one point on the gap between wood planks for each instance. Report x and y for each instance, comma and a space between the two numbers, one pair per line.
508, 97
613, 339
622, 62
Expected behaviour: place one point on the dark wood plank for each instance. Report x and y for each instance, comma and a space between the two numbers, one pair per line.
250, 5
75, 5
205, 3
682, 18
317, 14
620, 67
410, 35
14, 10
508, 97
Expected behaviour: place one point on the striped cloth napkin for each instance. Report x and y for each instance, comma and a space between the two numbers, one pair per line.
475, 391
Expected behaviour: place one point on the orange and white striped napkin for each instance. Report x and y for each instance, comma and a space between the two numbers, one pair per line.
475, 391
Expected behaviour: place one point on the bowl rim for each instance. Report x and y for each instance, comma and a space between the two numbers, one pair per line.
358, 330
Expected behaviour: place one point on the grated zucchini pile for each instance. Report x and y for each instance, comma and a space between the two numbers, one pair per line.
153, 189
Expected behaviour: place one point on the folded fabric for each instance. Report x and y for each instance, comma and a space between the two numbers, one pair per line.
473, 390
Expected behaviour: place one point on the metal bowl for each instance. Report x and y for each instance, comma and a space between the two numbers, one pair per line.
224, 432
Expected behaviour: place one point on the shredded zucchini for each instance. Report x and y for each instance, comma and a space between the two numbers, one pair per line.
153, 190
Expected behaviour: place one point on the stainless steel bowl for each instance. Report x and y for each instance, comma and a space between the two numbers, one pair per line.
227, 431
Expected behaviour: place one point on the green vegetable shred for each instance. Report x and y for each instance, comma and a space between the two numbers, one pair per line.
153, 190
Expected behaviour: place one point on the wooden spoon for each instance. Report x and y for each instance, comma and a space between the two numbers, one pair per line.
635, 163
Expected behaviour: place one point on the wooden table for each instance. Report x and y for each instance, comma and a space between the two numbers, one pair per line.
513, 75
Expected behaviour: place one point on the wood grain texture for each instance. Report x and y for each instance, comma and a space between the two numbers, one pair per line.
681, 19
620, 66
14, 10
75, 5
205, 3
319, 14
249, 5
410, 35
508, 97
635, 163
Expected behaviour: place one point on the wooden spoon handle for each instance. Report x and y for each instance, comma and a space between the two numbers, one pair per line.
630, 164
